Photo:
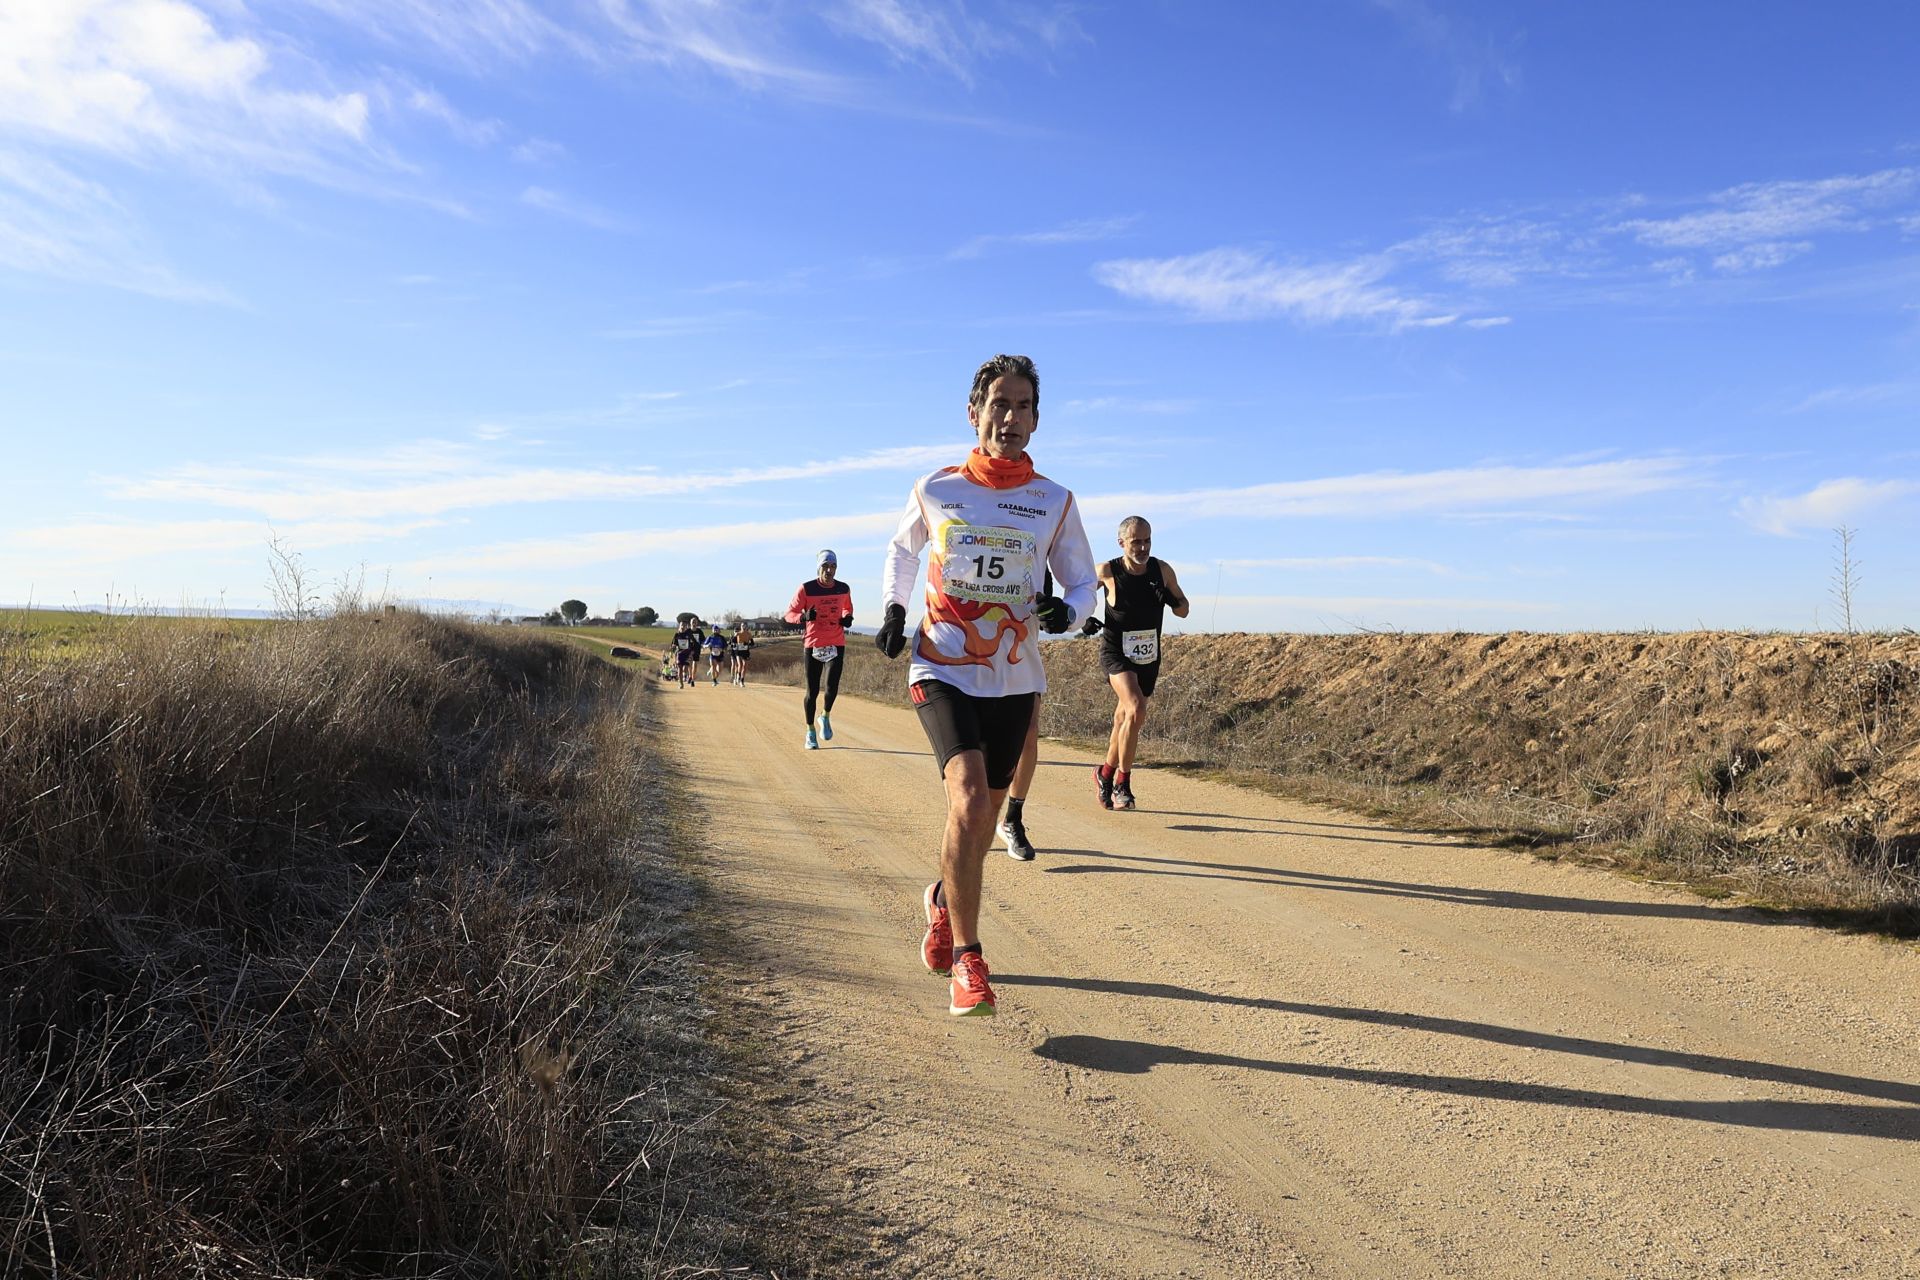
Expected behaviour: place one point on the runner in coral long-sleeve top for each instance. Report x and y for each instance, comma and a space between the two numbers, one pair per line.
826, 606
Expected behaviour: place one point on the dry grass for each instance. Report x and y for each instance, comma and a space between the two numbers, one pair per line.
340, 949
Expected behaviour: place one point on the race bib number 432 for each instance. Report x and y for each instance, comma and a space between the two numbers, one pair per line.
988, 565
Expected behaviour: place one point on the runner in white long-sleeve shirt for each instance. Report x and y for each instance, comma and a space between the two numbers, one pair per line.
992, 527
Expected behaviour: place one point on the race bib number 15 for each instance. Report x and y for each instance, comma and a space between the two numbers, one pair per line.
988, 565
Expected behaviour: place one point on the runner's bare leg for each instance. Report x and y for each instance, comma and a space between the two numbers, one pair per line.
1129, 715
973, 809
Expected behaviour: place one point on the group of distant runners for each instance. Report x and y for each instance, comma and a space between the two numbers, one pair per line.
681, 661
998, 536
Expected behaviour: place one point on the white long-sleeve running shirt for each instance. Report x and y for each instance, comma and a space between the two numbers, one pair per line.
989, 550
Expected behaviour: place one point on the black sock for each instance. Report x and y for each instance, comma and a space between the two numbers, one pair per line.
971, 946
1013, 808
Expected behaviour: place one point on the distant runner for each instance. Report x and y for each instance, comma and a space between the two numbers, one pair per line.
716, 654
826, 606
686, 651
1139, 590
742, 650
994, 525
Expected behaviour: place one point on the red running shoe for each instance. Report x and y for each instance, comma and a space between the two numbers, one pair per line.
936, 949
972, 997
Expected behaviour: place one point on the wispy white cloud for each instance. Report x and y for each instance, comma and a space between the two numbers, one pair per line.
476, 35
1760, 257
1129, 404
677, 326
1239, 284
537, 151
910, 32
318, 488
1877, 393
1445, 276
144, 77
565, 554
1315, 564
1475, 60
113, 541
1826, 505
572, 208
468, 129
1082, 231
735, 41
1383, 494
1764, 212
164, 85
954, 35
55, 223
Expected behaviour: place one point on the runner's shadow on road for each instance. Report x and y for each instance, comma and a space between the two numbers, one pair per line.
1321, 835
1138, 1057
1286, 878
1290, 822
1492, 1033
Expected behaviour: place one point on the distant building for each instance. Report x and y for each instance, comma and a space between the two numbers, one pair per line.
623, 617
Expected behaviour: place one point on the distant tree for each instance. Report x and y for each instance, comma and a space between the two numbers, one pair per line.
573, 611
551, 618
645, 616
686, 617
731, 618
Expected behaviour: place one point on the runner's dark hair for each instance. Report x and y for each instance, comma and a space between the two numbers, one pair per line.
1003, 366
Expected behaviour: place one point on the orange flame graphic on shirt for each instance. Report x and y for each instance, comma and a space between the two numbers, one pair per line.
972, 617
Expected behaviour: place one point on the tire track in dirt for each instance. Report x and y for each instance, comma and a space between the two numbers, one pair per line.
1244, 1037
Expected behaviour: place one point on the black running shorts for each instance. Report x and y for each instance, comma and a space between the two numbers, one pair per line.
956, 722
1114, 665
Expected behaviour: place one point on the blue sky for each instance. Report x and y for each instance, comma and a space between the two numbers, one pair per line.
1394, 314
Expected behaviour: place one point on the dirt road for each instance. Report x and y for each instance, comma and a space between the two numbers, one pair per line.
1242, 1038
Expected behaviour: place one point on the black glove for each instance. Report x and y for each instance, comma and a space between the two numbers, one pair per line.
1091, 627
846, 620
1052, 612
892, 636
807, 614
1160, 592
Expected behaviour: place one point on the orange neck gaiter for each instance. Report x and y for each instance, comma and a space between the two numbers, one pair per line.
998, 473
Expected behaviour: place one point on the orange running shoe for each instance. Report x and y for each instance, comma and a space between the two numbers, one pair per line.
936, 949
972, 997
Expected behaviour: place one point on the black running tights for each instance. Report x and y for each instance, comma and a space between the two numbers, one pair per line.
832, 667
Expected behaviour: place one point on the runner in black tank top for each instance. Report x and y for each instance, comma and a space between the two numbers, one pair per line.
1130, 634
1140, 590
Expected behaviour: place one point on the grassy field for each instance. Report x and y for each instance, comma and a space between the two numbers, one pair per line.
72, 633
646, 639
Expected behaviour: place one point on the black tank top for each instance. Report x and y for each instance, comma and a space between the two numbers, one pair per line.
1133, 607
